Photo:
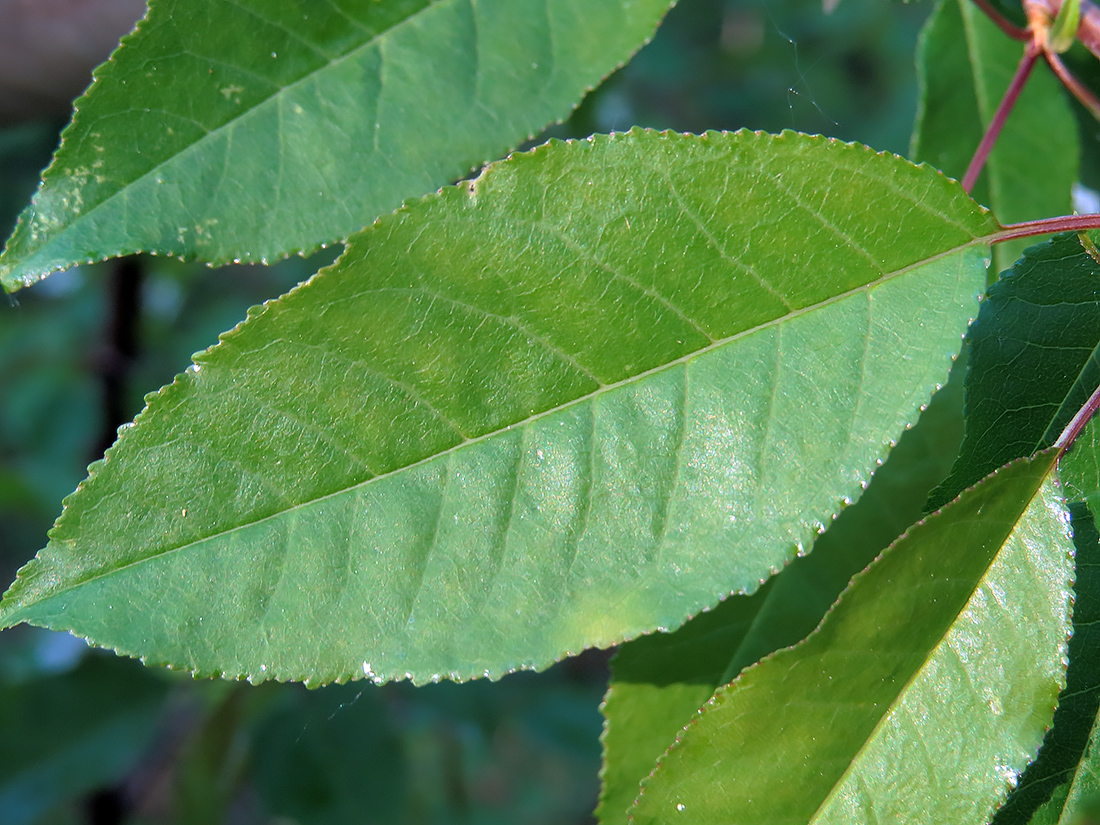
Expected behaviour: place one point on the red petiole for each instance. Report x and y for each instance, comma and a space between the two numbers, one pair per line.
1031, 53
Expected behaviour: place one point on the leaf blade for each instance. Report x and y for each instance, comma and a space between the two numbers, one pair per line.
1041, 319
581, 472
247, 131
659, 682
1060, 786
964, 65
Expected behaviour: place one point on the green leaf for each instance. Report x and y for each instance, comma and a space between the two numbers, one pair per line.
1066, 741
1081, 468
944, 656
572, 401
658, 682
1063, 31
522, 750
1069, 755
1034, 360
252, 130
964, 65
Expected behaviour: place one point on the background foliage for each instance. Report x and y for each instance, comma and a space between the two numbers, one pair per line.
520, 749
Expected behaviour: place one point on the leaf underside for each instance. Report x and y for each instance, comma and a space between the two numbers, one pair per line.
945, 656
252, 130
574, 400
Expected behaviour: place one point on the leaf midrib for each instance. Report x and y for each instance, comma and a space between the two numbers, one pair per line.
974, 242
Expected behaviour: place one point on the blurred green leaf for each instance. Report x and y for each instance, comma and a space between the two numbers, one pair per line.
66, 735
520, 750
232, 131
964, 65
921, 696
521, 417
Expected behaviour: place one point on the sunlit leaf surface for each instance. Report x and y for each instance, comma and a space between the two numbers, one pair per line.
1069, 757
579, 398
658, 682
921, 697
1032, 363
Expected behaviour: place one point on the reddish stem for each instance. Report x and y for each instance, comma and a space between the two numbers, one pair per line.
1088, 32
1003, 23
1079, 90
1084, 415
1027, 63
1046, 226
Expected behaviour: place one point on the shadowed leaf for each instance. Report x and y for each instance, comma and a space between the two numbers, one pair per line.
964, 65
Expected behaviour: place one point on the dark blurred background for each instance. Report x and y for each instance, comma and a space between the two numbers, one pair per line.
89, 738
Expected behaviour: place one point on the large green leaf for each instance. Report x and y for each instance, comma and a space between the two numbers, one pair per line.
574, 400
964, 65
658, 682
250, 130
942, 660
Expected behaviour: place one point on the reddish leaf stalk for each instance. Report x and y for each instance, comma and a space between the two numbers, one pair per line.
1046, 226
1084, 415
1003, 23
1023, 71
1079, 90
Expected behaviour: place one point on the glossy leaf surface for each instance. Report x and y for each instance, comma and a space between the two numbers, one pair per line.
921, 696
527, 415
964, 64
252, 130
1069, 758
660, 681
1066, 744
1032, 363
